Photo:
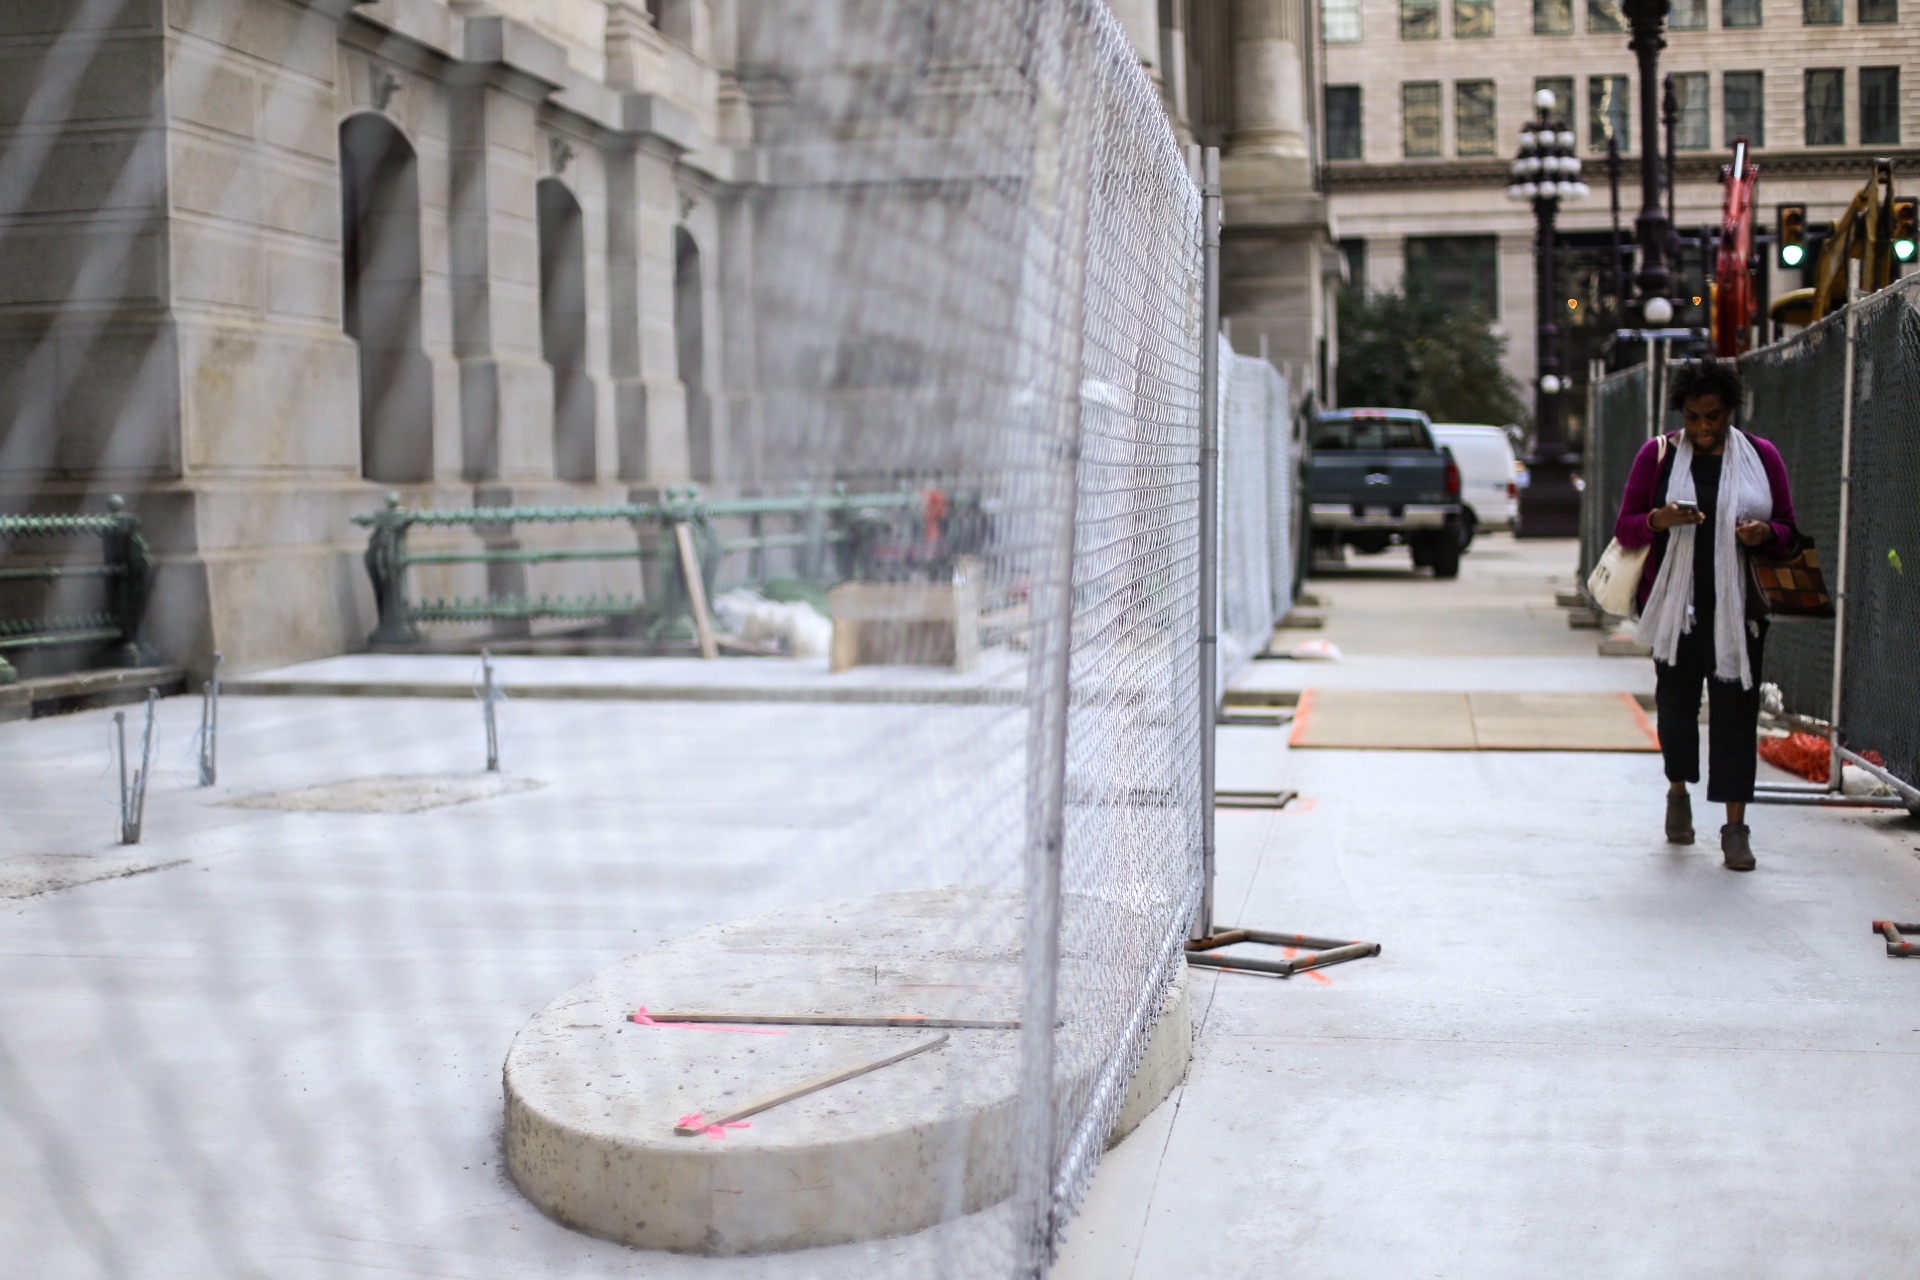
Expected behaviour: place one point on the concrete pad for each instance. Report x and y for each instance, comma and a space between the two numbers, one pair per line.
390, 793
593, 1099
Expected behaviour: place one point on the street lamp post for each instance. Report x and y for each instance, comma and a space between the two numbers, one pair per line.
1647, 20
1545, 172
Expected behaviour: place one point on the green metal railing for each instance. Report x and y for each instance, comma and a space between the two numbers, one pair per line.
125, 563
833, 537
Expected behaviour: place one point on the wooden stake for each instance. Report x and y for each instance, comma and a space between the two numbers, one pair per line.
696, 589
767, 1101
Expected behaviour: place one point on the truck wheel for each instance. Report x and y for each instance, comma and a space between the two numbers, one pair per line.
1420, 547
1445, 554
1468, 527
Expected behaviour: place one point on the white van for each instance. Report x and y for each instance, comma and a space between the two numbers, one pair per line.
1489, 473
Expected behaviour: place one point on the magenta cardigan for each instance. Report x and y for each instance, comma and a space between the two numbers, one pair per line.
1637, 503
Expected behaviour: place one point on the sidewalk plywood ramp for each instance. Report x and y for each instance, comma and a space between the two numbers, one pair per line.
1411, 720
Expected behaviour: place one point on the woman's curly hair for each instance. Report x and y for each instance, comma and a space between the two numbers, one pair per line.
1708, 377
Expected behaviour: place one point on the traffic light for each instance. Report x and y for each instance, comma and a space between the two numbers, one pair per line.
1905, 211
1793, 235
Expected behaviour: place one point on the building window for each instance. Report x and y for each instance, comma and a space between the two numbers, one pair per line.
1688, 15
1473, 128
1343, 122
1690, 127
1355, 252
1740, 91
1879, 10
1823, 13
1340, 20
1561, 87
1739, 13
1604, 16
1607, 106
1826, 107
1472, 18
1419, 19
1464, 270
1420, 118
1879, 105
1553, 17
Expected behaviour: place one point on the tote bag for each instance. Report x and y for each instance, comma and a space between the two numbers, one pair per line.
1614, 583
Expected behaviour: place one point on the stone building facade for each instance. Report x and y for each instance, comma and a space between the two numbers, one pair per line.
262, 261
1425, 100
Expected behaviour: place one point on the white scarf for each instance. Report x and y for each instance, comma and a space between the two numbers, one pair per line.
1745, 494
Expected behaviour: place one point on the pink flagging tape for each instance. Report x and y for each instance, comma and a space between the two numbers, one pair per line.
643, 1020
692, 1118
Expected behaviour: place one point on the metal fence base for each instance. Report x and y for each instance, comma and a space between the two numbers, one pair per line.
1897, 945
1321, 952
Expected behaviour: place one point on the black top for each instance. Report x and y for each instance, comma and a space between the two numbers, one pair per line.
1706, 492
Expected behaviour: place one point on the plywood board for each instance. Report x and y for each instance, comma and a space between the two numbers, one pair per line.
1561, 722
1383, 720
1417, 720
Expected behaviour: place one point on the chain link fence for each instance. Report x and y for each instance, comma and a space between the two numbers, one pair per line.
1797, 397
969, 262
1258, 461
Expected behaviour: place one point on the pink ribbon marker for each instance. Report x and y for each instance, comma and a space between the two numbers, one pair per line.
712, 1130
643, 1020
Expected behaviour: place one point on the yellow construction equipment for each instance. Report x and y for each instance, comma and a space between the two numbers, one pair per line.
1864, 232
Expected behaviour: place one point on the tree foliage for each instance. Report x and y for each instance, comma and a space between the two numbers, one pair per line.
1415, 350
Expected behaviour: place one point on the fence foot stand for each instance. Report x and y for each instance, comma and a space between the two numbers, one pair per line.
1895, 934
1204, 952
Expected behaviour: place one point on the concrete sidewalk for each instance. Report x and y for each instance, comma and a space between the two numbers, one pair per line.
1583, 1052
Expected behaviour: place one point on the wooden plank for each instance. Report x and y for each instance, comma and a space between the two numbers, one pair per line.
767, 1101
838, 1020
696, 589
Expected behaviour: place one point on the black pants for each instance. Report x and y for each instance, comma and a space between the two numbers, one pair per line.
1733, 715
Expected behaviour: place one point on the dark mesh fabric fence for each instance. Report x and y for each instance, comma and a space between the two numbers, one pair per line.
1796, 397
1880, 693
1794, 400
1615, 434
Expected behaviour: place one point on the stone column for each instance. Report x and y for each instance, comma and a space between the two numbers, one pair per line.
1269, 82
506, 388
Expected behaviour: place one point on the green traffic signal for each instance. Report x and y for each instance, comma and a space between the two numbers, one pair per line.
1906, 211
1793, 234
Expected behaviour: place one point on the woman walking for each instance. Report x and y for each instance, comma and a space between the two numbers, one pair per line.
1697, 496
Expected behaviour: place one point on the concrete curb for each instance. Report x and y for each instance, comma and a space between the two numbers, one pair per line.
624, 692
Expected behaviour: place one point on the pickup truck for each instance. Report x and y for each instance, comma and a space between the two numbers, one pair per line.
1375, 477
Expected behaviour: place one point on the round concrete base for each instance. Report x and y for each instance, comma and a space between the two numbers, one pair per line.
593, 1098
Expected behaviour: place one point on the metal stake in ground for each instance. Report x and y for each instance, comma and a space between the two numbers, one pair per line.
133, 793
210, 725
490, 694
1205, 938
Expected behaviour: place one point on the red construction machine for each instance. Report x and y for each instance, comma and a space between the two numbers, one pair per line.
1735, 304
